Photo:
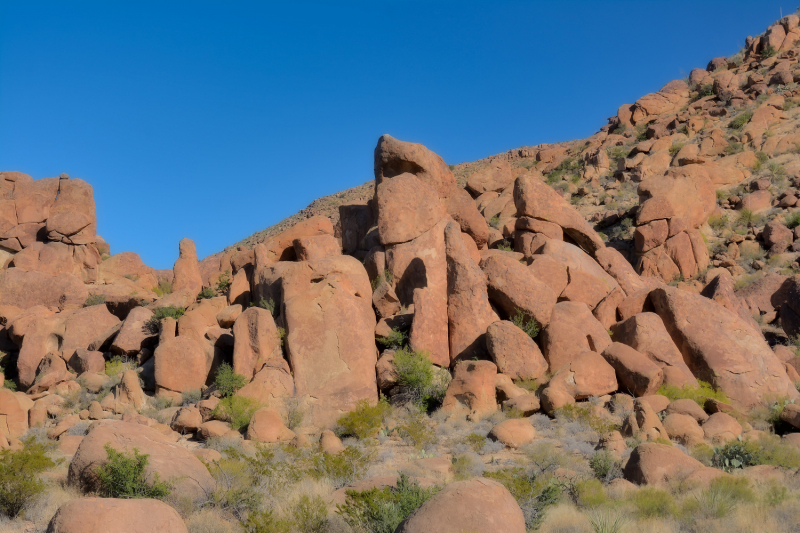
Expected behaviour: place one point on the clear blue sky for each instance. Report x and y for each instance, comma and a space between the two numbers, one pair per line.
213, 120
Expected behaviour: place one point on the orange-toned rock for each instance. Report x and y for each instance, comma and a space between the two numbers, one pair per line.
550, 272
187, 419
572, 331
656, 464
130, 266
271, 383
13, 416
267, 426
87, 361
687, 189
472, 388
130, 392
477, 505
180, 365
394, 157
134, 335
512, 286
469, 313
316, 247
688, 407
514, 352
721, 348
683, 428
112, 515
720, 428
28, 289
329, 443
791, 415
72, 217
620, 269
460, 206
255, 341
636, 373
587, 374
650, 235
407, 208
513, 433
186, 271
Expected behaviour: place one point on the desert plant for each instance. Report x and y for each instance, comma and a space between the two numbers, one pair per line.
382, 510
238, 410
525, 323
365, 420
265, 521
533, 493
605, 466
115, 366
475, 441
310, 514
154, 322
206, 293
768, 51
740, 120
295, 413
224, 281
227, 381
394, 341
792, 220
606, 521
505, 245
747, 218
651, 502
583, 413
495, 222
163, 288
702, 392
269, 305
94, 299
190, 396
386, 276
344, 468
675, 148
124, 476
423, 382
19, 475
416, 430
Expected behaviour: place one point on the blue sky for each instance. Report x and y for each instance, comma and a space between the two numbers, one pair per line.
213, 120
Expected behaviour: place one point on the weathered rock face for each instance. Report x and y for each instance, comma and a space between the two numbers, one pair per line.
407, 208
394, 157
72, 217
472, 388
512, 286
572, 331
255, 341
636, 373
166, 458
469, 313
13, 415
186, 271
180, 365
330, 336
27, 289
656, 464
514, 352
722, 349
134, 335
535, 199
587, 374
267, 426
112, 515
476, 505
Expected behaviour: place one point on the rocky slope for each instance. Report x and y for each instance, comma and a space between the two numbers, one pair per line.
627, 300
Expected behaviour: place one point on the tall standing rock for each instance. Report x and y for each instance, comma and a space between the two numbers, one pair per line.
73, 219
255, 340
407, 208
469, 313
186, 272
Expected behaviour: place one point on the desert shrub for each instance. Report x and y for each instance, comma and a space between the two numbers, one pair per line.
394, 341
417, 432
718, 222
94, 299
651, 502
238, 410
475, 441
365, 420
607, 521
525, 323
10, 385
702, 392
154, 323
505, 245
590, 493
295, 413
310, 514
163, 288
768, 51
464, 466
741, 120
191, 396
224, 281
533, 493
792, 220
495, 222
269, 305
703, 453
19, 475
115, 366
206, 293
123, 476
719, 499
386, 276
423, 382
382, 510
675, 148
227, 381
605, 466
582, 413
747, 218
530, 385
775, 495
705, 90
344, 468
618, 152
619, 129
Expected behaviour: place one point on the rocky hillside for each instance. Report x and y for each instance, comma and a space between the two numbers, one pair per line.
567, 337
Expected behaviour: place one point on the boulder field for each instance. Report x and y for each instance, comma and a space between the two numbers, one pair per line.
603, 275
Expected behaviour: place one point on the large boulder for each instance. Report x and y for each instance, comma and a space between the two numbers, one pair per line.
394, 157
165, 458
267, 426
134, 334
180, 365
586, 375
13, 414
477, 505
407, 208
513, 287
27, 289
535, 199
721, 348
636, 374
255, 341
651, 463
514, 352
472, 388
469, 313
685, 192
186, 271
112, 515
330, 335
280, 247
128, 265
572, 330
72, 218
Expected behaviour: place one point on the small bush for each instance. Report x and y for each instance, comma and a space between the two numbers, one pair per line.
386, 276
699, 394
123, 476
206, 293
475, 441
382, 510
463, 466
265, 522
653, 503
675, 148
310, 514
792, 220
525, 323
424, 383
224, 282
154, 323
191, 396
605, 467
607, 521
768, 51
734, 147
19, 475
295, 414
747, 218
94, 299
741, 120
163, 288
590, 493
505, 245
394, 341
706, 90
495, 222
416, 430
115, 366
582, 413
344, 468
238, 410
365, 420
227, 381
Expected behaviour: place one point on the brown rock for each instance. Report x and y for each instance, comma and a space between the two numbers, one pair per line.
111, 515
472, 388
636, 373
572, 331
180, 365
683, 428
227, 317
460, 206
777, 237
687, 189
658, 464
477, 505
72, 217
620, 269
720, 428
407, 208
514, 352
28, 289
316, 247
587, 374
329, 443
267, 426
186, 271
687, 407
13, 416
255, 341
187, 419
281, 246
550, 272
394, 157
513, 287
272, 383
87, 361
385, 300
513, 433
791, 415
134, 335
648, 236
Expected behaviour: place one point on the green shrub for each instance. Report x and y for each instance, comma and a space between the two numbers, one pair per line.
227, 381
741, 120
605, 466
525, 323
344, 468
124, 476
675, 148
720, 498
163, 288
386, 275
206, 293
94, 299
747, 218
706, 90
282, 335
590, 493
310, 514
382, 510
653, 503
269, 305
475, 441
365, 420
10, 385
154, 322
19, 475
422, 381
734, 147
295, 413
702, 392
238, 410
115, 366
606, 521
191, 396
495, 222
703, 453
224, 281
582, 412
792, 220
530, 385
533, 493
265, 522
462, 466
394, 341
417, 431
505, 245
768, 51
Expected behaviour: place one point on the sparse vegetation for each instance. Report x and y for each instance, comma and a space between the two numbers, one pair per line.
153, 325
124, 476
525, 323
394, 341
224, 282
702, 392
741, 120
228, 381
365, 420
237, 410
163, 288
20, 471
423, 382
94, 299
386, 276
206, 293
269, 305
768, 51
